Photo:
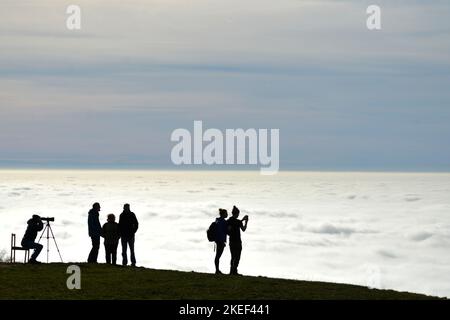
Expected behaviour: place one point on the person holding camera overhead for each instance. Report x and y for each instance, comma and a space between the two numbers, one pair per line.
234, 231
28, 241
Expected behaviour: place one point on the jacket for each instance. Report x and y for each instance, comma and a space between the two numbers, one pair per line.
111, 233
128, 224
95, 229
34, 226
221, 230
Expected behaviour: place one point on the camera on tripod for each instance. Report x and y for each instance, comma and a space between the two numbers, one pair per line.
47, 234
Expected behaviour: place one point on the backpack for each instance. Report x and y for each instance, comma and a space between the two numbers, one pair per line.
211, 233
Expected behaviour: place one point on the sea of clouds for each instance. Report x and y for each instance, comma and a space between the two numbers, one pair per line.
383, 230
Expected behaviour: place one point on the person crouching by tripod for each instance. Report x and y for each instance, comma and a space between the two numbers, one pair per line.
111, 234
34, 226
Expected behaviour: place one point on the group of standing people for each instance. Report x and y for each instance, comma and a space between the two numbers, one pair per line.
126, 229
112, 232
231, 228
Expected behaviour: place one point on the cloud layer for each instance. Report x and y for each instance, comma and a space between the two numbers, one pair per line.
302, 225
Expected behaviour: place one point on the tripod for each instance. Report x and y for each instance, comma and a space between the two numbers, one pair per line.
47, 231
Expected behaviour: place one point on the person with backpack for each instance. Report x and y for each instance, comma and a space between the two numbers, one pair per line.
220, 237
234, 231
111, 234
128, 225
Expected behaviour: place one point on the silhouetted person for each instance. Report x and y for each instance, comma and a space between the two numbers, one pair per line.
234, 231
111, 234
95, 231
34, 226
221, 237
128, 225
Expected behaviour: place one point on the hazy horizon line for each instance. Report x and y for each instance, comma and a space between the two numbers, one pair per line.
198, 169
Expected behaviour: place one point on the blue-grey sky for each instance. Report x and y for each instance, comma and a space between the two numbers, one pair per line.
343, 97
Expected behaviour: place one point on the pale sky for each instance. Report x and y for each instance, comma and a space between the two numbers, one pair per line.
343, 97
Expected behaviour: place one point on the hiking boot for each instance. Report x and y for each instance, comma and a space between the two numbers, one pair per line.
32, 261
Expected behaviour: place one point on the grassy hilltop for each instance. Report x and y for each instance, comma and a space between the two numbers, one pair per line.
48, 281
